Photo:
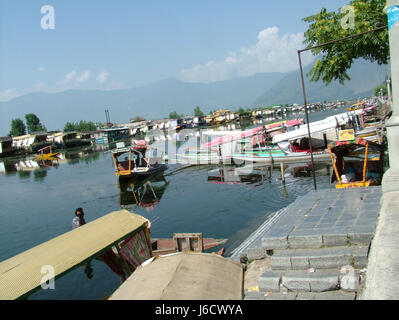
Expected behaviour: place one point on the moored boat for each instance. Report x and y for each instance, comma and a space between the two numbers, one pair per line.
357, 163
46, 153
134, 162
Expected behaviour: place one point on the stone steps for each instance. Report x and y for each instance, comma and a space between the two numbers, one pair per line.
332, 295
322, 258
330, 273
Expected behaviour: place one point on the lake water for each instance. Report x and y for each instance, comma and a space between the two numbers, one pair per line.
38, 205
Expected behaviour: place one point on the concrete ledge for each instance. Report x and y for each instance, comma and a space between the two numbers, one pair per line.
281, 296
256, 253
332, 295
360, 238
332, 240
269, 281
274, 243
318, 281
305, 241
281, 263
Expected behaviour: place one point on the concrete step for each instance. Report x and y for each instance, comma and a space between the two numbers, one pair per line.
346, 278
322, 258
317, 238
331, 295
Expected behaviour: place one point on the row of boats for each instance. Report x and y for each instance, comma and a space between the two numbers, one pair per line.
355, 136
284, 141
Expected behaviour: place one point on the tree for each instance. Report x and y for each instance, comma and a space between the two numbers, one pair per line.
69, 126
337, 58
81, 126
18, 128
379, 88
175, 115
198, 112
33, 123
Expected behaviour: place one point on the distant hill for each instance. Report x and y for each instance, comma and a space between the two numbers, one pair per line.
156, 100
153, 101
364, 76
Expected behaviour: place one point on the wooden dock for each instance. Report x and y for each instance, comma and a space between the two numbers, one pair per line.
22, 274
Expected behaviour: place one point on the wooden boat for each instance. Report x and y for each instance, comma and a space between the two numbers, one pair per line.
358, 163
46, 153
288, 152
134, 163
167, 246
218, 150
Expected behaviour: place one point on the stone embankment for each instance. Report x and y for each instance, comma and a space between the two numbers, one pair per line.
316, 248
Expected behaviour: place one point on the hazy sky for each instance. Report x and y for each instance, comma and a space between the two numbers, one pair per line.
122, 44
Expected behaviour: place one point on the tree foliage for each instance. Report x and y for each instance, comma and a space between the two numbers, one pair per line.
378, 89
175, 115
33, 123
18, 128
198, 112
337, 58
81, 126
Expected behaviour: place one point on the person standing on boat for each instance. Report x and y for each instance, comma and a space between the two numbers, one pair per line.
79, 220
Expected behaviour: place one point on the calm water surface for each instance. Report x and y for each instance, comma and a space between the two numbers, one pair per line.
37, 205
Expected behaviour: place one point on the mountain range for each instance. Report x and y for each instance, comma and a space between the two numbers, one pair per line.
156, 100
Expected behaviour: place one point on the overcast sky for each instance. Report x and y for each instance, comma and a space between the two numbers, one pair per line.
123, 44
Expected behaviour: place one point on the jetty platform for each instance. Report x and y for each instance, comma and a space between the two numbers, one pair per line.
22, 274
315, 248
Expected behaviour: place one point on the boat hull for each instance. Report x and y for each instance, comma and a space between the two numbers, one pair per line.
290, 158
166, 246
141, 174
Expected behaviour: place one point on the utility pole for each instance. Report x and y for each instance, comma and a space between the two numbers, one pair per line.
390, 180
389, 92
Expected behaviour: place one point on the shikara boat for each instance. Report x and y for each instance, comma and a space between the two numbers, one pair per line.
131, 162
167, 246
358, 163
287, 152
46, 153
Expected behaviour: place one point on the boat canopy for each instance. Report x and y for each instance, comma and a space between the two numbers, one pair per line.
184, 276
234, 137
317, 126
288, 123
351, 145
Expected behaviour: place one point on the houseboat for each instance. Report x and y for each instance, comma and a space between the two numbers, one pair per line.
70, 139
112, 135
31, 142
6, 147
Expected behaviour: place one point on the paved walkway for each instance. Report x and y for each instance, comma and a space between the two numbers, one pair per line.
326, 217
330, 220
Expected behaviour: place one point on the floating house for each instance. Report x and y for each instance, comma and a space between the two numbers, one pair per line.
6, 148
31, 142
69, 139
111, 135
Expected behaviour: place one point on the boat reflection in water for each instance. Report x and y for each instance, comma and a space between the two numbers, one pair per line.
146, 193
143, 192
258, 174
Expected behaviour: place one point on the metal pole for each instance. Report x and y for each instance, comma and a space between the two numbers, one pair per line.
307, 119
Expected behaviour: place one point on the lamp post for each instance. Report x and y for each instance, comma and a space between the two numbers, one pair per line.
390, 180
